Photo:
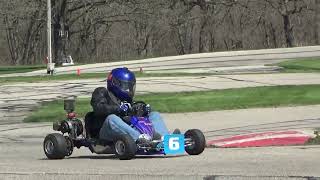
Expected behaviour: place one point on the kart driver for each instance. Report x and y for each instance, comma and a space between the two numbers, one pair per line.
112, 103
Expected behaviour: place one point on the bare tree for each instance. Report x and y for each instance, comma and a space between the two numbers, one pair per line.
287, 8
23, 45
182, 24
109, 30
317, 22
65, 14
146, 25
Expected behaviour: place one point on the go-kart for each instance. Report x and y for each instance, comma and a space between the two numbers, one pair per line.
60, 145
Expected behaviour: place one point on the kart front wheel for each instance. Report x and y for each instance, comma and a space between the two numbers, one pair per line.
125, 147
55, 146
197, 142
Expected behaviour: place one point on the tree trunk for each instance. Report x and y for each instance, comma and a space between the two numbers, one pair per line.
203, 24
273, 36
11, 42
212, 42
317, 23
201, 36
190, 39
60, 31
288, 31
181, 43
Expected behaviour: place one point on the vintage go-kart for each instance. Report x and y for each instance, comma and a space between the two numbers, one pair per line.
60, 145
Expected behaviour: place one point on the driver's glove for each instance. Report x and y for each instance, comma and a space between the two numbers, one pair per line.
125, 108
147, 109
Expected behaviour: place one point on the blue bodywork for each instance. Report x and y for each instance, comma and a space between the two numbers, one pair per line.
143, 125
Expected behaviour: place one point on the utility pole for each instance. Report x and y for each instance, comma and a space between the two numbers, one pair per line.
50, 65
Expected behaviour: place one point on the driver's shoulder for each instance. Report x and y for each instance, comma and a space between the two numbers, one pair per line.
98, 93
100, 90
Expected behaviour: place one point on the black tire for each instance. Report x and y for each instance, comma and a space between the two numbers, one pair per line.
55, 146
199, 142
70, 145
125, 147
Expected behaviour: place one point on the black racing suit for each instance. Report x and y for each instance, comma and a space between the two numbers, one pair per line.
103, 103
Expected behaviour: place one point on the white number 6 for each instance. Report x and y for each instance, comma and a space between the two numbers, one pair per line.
174, 143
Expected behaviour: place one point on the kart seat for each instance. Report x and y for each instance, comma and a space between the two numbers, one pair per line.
92, 125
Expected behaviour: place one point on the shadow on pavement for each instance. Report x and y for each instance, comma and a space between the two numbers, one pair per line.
114, 157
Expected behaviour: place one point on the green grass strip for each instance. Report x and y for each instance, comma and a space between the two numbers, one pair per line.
242, 98
20, 69
301, 65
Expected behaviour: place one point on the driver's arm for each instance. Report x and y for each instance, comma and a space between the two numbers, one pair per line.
100, 103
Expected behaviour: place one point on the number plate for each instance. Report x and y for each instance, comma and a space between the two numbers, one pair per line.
174, 144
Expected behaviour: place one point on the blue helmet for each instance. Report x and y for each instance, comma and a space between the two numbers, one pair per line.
122, 83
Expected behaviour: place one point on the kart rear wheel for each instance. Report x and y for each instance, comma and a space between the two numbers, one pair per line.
198, 142
55, 146
125, 147
70, 145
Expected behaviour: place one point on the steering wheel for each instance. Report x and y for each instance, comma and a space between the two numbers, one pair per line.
138, 108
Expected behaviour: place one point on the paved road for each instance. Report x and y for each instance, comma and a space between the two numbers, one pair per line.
22, 156
16, 100
197, 61
25, 162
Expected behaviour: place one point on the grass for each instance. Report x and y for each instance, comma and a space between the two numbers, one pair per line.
20, 69
301, 65
53, 111
201, 101
61, 77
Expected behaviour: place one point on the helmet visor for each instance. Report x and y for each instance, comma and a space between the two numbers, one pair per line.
126, 86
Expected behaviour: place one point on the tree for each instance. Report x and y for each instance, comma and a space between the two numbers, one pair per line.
65, 14
287, 8
182, 24
146, 25
110, 30
317, 22
23, 44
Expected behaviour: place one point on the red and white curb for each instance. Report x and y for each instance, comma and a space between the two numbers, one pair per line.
279, 138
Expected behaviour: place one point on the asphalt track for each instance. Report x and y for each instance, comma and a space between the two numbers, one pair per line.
27, 162
22, 156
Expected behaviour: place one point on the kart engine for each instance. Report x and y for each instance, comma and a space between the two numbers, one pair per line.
71, 125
